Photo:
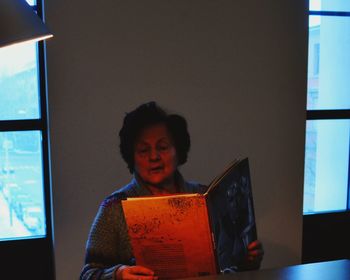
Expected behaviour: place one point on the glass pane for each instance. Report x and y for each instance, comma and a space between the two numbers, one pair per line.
314, 5
329, 63
19, 83
330, 5
22, 213
326, 165
31, 2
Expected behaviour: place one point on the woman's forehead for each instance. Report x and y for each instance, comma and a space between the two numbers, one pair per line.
154, 132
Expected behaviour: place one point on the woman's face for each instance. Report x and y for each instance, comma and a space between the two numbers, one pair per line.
155, 156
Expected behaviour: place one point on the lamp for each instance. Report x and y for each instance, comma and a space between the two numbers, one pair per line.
19, 23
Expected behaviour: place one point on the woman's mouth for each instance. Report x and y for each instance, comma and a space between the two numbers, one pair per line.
156, 169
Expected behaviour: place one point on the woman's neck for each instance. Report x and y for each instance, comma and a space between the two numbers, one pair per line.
169, 187
160, 190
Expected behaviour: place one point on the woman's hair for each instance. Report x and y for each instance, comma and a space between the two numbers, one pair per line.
150, 114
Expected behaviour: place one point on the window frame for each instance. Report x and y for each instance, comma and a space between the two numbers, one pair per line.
17, 256
331, 114
325, 235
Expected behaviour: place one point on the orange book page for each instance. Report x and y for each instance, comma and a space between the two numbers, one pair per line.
171, 235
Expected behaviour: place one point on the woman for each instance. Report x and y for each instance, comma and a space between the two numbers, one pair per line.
153, 144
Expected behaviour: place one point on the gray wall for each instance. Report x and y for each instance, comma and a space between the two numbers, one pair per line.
235, 69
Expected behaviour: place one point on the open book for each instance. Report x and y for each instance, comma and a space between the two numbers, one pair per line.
189, 235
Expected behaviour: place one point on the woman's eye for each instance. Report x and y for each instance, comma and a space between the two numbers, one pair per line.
142, 151
164, 147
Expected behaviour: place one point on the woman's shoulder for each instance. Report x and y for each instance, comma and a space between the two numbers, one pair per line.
120, 194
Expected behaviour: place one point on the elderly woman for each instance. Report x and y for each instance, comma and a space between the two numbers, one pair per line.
153, 144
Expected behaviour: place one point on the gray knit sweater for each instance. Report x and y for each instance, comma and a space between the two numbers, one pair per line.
108, 245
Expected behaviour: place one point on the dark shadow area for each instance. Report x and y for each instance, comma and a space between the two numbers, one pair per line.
326, 237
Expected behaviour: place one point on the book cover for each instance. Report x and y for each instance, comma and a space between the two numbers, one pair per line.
231, 209
190, 235
171, 235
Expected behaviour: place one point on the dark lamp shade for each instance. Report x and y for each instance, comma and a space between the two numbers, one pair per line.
19, 23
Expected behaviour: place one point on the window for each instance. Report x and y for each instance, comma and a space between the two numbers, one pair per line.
326, 181
25, 189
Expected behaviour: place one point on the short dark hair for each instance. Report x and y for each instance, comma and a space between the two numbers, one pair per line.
148, 114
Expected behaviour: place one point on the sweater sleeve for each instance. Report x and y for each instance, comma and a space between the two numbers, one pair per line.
108, 246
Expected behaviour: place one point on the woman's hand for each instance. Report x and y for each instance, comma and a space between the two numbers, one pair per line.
136, 272
254, 256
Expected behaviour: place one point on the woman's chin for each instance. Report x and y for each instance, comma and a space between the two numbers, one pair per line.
158, 181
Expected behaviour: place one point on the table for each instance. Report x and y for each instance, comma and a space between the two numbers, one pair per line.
330, 270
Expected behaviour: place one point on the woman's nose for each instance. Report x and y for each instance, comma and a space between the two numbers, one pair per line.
154, 154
